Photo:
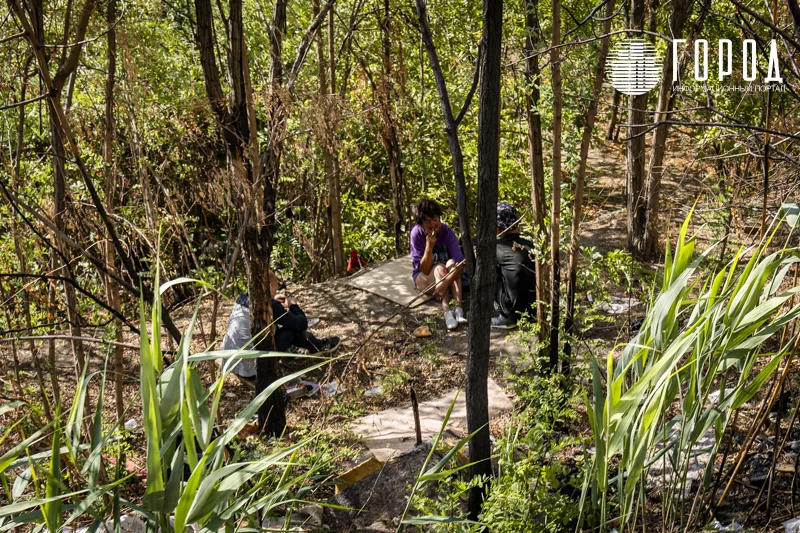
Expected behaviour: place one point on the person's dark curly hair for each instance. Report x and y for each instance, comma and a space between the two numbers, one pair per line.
426, 208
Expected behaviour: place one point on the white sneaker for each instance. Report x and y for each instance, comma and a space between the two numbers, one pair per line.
460, 316
450, 320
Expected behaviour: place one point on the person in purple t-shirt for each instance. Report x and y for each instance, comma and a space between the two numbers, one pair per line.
435, 258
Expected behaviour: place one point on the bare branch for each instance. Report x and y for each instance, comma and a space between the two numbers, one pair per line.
305, 44
28, 101
12, 37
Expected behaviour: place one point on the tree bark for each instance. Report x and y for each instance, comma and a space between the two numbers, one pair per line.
484, 278
451, 128
334, 184
536, 161
112, 288
794, 9
389, 131
59, 158
612, 121
327, 100
259, 244
577, 205
235, 124
18, 249
649, 245
635, 161
555, 217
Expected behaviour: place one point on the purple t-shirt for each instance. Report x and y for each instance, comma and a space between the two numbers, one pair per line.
446, 247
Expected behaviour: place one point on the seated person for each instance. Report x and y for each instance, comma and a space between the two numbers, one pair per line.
434, 255
516, 272
290, 324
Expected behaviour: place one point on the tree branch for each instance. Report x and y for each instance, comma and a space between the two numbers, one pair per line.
471, 93
79, 288
305, 44
28, 101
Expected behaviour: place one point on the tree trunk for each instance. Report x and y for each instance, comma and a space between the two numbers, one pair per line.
794, 9
555, 217
112, 288
451, 128
59, 209
235, 126
389, 132
334, 185
577, 204
765, 168
536, 161
59, 157
484, 278
611, 131
327, 143
649, 247
18, 249
636, 201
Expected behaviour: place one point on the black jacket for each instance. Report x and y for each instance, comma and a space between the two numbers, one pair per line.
293, 318
516, 275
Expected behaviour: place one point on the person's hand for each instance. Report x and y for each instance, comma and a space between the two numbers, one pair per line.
430, 239
280, 297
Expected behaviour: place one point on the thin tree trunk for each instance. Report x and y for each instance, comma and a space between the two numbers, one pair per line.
51, 84
794, 9
652, 20
765, 167
112, 288
18, 248
612, 121
451, 128
483, 287
327, 142
389, 132
636, 201
334, 184
649, 246
577, 205
536, 161
555, 217
60, 207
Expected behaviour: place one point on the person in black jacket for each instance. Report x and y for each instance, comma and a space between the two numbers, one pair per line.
516, 272
291, 329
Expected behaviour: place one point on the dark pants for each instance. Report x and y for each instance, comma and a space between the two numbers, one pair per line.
286, 337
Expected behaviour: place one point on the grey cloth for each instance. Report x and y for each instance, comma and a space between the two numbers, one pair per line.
237, 336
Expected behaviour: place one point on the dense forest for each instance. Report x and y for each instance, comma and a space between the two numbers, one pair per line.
254, 265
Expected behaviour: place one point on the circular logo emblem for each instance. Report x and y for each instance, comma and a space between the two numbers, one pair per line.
634, 66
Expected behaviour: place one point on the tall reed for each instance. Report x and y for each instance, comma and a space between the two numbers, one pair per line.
705, 332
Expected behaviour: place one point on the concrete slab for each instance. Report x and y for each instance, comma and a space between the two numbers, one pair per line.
392, 431
392, 281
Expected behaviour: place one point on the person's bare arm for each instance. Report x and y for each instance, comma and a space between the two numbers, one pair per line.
426, 263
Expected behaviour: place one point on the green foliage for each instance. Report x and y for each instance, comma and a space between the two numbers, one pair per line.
705, 332
532, 491
181, 432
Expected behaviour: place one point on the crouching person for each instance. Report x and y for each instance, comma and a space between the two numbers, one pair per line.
516, 272
290, 327
435, 258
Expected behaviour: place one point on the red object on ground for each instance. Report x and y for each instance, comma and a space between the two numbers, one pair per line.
356, 261
130, 466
